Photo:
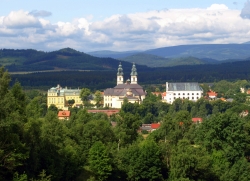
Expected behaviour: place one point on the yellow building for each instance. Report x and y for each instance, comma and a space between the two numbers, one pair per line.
59, 97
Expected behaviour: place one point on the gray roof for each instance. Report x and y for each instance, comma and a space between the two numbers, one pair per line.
185, 86
122, 89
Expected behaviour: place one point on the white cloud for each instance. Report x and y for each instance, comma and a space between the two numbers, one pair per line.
20, 19
218, 7
137, 31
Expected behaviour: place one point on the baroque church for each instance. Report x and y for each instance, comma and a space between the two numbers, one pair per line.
130, 90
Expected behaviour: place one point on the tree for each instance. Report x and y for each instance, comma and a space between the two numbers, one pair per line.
84, 94
98, 98
99, 161
190, 162
71, 102
141, 161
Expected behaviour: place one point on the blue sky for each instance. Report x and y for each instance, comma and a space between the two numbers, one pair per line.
121, 25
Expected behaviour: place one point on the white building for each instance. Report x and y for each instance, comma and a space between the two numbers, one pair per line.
133, 92
188, 90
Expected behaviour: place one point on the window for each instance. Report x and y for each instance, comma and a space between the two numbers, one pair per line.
197, 93
183, 94
192, 97
179, 94
188, 93
174, 97
174, 94
192, 93
197, 97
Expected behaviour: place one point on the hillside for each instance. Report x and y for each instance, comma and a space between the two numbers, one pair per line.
112, 54
156, 61
64, 59
211, 51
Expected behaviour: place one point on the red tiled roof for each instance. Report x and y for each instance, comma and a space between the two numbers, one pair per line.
195, 120
211, 94
155, 125
64, 114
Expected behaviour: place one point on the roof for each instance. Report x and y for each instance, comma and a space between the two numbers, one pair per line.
64, 114
212, 94
195, 120
122, 89
184, 86
155, 125
64, 91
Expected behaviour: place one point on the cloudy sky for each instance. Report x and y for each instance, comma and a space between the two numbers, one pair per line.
121, 25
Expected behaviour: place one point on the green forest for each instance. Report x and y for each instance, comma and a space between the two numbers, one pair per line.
35, 145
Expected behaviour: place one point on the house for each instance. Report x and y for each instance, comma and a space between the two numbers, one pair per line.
212, 95
149, 127
197, 120
130, 90
244, 113
63, 115
185, 90
155, 126
162, 94
60, 96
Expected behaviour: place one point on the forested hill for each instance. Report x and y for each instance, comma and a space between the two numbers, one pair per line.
64, 59
100, 80
211, 51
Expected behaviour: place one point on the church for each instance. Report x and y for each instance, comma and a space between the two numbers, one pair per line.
130, 90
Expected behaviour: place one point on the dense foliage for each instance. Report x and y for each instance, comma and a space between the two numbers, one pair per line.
105, 79
35, 145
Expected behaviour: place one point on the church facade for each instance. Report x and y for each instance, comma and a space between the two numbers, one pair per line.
130, 90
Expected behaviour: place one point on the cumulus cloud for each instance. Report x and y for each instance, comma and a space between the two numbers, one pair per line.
218, 7
41, 13
135, 31
245, 12
20, 19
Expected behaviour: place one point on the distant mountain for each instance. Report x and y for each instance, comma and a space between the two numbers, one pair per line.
208, 51
64, 59
146, 59
156, 61
246, 42
212, 51
112, 54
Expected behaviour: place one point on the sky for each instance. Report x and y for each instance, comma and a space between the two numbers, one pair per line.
122, 25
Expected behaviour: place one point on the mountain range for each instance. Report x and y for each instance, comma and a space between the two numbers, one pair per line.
70, 59
204, 51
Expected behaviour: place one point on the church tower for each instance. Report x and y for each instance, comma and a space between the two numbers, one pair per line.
133, 75
120, 75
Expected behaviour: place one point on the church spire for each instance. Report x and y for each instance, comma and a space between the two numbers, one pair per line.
133, 74
120, 74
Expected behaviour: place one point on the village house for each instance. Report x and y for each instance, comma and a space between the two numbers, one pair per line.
63, 115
